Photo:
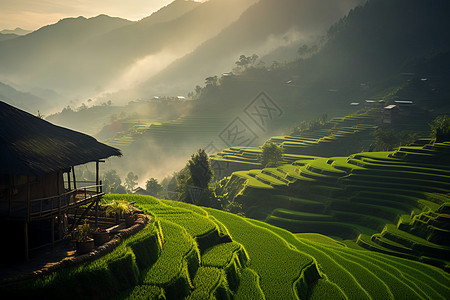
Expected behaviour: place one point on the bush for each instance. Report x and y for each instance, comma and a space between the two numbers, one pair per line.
440, 128
272, 155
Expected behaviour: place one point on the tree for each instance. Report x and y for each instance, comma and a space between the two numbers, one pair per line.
245, 61
440, 128
153, 187
112, 183
211, 81
388, 139
303, 50
130, 181
193, 180
272, 155
200, 169
198, 89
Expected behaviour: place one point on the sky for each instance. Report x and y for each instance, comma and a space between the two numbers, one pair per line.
33, 14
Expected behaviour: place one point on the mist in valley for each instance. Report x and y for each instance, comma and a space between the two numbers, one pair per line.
174, 81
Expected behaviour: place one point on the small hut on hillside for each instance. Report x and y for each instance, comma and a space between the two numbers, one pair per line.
37, 179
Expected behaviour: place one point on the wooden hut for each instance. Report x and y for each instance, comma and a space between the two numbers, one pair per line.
37, 179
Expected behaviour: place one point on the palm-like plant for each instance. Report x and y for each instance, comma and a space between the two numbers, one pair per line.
117, 208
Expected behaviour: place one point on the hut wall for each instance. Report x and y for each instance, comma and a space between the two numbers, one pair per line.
16, 188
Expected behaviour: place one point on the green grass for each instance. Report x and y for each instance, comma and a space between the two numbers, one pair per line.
276, 263
363, 274
241, 259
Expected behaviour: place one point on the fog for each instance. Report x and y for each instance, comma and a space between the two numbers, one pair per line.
99, 65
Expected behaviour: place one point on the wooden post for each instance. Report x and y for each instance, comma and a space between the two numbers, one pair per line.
29, 200
74, 179
52, 230
97, 199
68, 180
97, 169
25, 233
58, 189
9, 194
97, 182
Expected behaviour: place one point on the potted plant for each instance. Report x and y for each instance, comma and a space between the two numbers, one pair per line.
119, 209
84, 244
100, 236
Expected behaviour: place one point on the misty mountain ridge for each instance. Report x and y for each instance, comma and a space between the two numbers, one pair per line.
263, 28
28, 101
359, 58
7, 36
17, 31
81, 57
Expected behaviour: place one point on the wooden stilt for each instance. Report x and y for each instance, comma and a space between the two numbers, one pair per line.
52, 230
25, 234
97, 169
68, 180
96, 211
9, 194
74, 179
97, 183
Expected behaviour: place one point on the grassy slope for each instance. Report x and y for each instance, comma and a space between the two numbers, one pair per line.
362, 274
358, 274
210, 254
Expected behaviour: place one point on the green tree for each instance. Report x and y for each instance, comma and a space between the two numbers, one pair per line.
130, 181
200, 169
388, 139
112, 183
183, 185
272, 155
194, 179
153, 187
440, 128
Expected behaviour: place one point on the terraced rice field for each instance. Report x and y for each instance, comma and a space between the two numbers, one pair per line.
136, 128
348, 196
335, 139
200, 130
190, 252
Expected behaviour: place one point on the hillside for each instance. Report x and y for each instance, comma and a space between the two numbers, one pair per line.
111, 52
291, 23
40, 59
7, 36
26, 101
208, 254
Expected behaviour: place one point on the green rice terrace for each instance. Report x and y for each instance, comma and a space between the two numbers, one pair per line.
169, 132
339, 136
393, 202
333, 139
135, 127
190, 129
189, 252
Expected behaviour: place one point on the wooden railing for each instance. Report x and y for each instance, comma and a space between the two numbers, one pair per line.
43, 207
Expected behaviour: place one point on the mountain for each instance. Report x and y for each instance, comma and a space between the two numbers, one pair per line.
26, 101
261, 29
41, 57
360, 57
7, 36
86, 56
17, 31
361, 48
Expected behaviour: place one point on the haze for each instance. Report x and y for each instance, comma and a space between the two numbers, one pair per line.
31, 15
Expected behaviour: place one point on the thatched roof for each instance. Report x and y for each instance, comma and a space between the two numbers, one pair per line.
32, 146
